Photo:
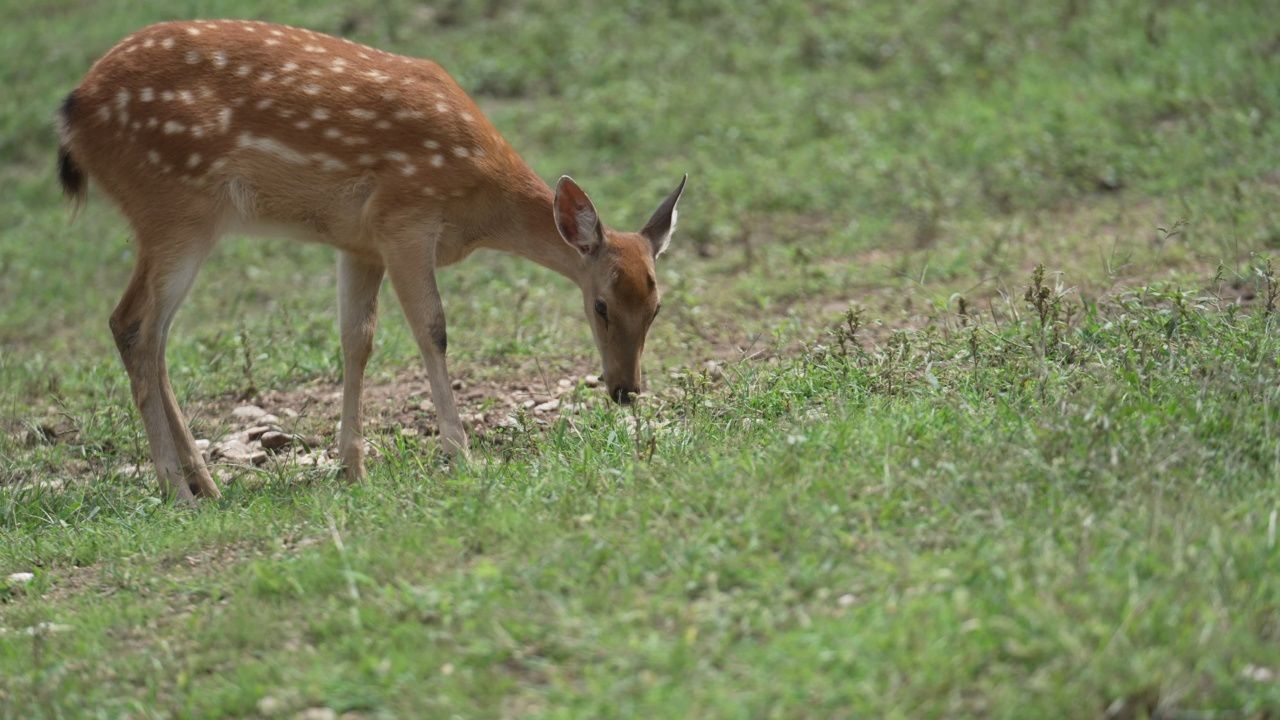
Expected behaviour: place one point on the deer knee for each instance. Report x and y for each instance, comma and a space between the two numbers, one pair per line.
439, 336
124, 331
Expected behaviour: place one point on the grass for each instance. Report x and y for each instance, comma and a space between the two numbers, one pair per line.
992, 432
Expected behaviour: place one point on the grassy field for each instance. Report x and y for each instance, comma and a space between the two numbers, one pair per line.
965, 395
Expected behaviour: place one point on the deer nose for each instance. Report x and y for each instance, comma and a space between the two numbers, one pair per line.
623, 394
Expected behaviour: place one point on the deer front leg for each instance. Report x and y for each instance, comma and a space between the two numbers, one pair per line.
411, 267
358, 283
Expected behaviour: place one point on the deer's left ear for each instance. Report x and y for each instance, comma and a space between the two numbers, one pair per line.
659, 228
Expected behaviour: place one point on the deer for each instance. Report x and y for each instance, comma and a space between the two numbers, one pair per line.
197, 129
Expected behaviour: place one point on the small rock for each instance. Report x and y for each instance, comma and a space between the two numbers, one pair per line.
248, 413
269, 706
289, 413
409, 432
548, 406
527, 404
317, 713
232, 451
846, 600
1258, 673
591, 380
20, 578
129, 470
46, 628
713, 370
258, 458
257, 431
312, 441
202, 445
457, 385
275, 440
426, 406
268, 419
565, 383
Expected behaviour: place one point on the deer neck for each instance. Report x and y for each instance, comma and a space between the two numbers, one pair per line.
526, 227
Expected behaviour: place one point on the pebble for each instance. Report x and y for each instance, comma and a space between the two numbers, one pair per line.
257, 431
248, 413
129, 470
270, 706
713, 370
20, 578
548, 406
275, 440
202, 445
236, 451
457, 385
317, 713
565, 383
591, 380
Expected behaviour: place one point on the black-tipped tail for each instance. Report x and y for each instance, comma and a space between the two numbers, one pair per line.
70, 176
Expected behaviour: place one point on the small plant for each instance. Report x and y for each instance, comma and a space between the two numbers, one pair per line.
1270, 288
846, 332
246, 349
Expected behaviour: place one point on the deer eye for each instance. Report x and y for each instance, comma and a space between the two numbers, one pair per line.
602, 310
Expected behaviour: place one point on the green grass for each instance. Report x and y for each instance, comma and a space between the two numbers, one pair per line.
1057, 499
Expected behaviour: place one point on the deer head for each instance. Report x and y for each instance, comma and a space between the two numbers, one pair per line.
619, 287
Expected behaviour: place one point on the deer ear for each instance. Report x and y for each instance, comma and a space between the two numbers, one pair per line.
576, 217
659, 228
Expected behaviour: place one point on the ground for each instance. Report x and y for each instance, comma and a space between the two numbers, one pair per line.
964, 396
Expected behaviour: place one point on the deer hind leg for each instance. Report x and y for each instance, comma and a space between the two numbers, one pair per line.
358, 283
411, 266
140, 324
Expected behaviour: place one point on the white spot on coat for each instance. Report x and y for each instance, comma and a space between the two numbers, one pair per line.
193, 160
193, 57
146, 94
271, 147
173, 127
